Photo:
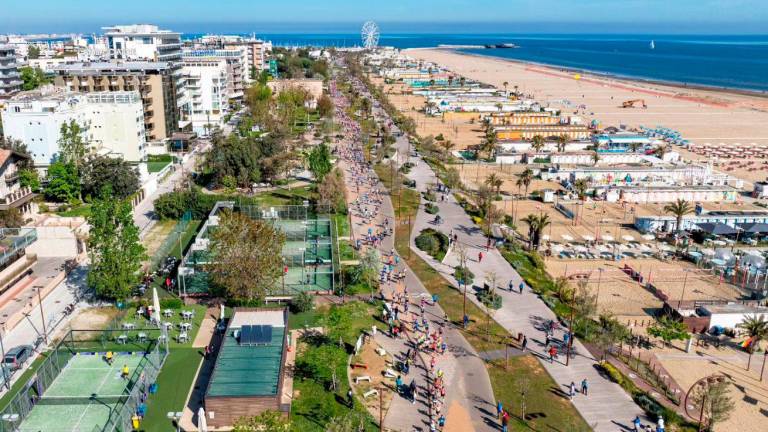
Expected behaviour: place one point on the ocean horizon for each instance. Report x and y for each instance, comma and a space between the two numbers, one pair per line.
718, 61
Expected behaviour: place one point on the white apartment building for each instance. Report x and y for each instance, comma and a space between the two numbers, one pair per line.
148, 42
236, 67
10, 81
206, 83
113, 122
256, 50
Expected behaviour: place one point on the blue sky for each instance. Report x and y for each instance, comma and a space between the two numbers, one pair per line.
547, 16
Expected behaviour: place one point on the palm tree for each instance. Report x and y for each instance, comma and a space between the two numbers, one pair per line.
432, 82
505, 88
450, 80
634, 146
495, 182
563, 289
499, 106
537, 143
462, 81
489, 144
678, 209
661, 151
562, 140
580, 186
447, 145
524, 179
595, 157
536, 225
757, 330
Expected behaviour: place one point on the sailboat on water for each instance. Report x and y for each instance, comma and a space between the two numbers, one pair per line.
653, 44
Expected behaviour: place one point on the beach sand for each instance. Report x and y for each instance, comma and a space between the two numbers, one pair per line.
701, 116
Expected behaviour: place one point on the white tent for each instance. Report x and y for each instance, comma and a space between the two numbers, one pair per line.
202, 424
156, 307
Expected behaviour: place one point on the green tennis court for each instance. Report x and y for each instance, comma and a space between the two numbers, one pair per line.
83, 394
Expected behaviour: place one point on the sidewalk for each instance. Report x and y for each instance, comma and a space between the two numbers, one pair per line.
608, 407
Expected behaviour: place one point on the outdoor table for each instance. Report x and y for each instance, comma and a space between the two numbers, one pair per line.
122, 339
141, 337
168, 325
183, 337
185, 326
186, 314
129, 325
168, 312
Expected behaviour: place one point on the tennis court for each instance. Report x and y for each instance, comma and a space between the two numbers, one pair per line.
83, 395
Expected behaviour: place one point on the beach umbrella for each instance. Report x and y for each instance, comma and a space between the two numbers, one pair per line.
588, 237
717, 228
708, 251
221, 312
545, 237
649, 237
608, 237
567, 237
202, 424
156, 306
628, 238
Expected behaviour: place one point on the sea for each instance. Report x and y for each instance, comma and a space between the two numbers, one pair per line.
736, 62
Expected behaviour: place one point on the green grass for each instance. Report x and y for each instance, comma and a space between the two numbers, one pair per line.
83, 210
319, 359
283, 196
342, 222
484, 334
158, 166
173, 385
545, 408
22, 381
196, 321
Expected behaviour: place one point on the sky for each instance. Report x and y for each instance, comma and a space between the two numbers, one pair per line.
396, 16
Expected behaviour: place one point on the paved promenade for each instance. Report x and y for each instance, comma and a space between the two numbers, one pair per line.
608, 407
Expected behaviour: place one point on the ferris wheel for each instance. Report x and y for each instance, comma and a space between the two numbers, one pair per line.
370, 35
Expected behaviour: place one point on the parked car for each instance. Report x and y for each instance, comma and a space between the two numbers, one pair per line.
17, 356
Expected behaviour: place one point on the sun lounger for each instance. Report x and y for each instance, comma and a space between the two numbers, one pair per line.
362, 378
369, 393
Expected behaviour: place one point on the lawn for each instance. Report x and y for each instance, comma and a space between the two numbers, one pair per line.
174, 319
552, 412
158, 166
83, 210
319, 359
173, 385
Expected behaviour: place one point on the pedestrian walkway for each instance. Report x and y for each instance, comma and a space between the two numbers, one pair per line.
608, 407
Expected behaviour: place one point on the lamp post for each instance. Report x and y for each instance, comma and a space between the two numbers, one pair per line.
42, 316
6, 378
682, 295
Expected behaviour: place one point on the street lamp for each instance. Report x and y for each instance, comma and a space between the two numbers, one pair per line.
175, 417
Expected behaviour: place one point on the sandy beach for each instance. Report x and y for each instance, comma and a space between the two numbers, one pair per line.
702, 116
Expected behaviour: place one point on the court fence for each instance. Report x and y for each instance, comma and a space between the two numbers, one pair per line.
120, 418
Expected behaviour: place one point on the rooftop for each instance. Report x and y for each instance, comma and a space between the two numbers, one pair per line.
250, 369
108, 66
734, 308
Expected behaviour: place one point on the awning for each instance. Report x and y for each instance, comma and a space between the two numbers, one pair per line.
753, 228
717, 228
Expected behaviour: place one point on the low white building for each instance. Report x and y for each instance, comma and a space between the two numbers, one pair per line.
730, 315
632, 174
113, 122
668, 194
206, 92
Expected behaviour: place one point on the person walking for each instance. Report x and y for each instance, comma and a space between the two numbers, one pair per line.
572, 390
525, 342
504, 421
398, 383
511, 285
412, 390
637, 424
520, 287
480, 257
584, 387
499, 409
552, 353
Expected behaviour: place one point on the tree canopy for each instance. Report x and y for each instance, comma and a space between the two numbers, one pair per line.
113, 247
32, 78
117, 174
72, 144
63, 182
246, 256
320, 161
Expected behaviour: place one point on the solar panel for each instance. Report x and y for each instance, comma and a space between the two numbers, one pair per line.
256, 335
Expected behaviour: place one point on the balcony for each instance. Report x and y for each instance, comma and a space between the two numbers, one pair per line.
16, 199
12, 177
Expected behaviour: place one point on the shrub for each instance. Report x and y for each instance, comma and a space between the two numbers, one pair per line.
171, 303
433, 242
613, 373
463, 274
304, 302
489, 299
430, 195
431, 209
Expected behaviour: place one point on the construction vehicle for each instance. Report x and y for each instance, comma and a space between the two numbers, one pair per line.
633, 103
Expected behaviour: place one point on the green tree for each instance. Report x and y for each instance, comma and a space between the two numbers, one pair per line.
63, 183
332, 192
325, 106
29, 177
11, 218
756, 328
494, 182
320, 161
524, 180
113, 247
101, 171
32, 78
33, 52
246, 261
580, 186
72, 145
562, 140
668, 330
537, 143
715, 399
267, 421
678, 209
370, 263
536, 226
